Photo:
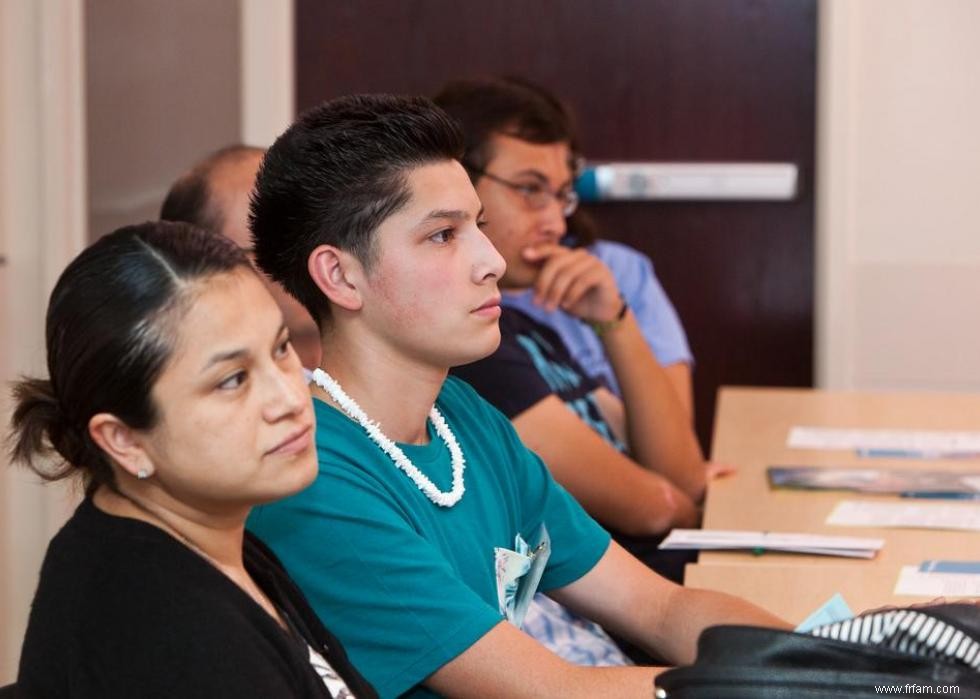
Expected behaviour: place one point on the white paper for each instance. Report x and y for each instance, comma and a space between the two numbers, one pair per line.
912, 581
849, 546
936, 442
861, 513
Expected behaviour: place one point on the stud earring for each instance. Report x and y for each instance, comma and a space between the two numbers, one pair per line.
142, 474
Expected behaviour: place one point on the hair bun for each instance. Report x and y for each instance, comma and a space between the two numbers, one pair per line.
39, 424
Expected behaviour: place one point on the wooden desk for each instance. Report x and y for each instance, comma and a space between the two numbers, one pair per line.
792, 592
751, 428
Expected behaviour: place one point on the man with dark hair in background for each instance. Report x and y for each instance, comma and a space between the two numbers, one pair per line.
214, 195
484, 106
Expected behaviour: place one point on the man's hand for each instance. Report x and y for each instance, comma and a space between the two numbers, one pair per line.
576, 281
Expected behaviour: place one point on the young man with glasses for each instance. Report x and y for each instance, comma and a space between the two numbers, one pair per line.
634, 273
634, 463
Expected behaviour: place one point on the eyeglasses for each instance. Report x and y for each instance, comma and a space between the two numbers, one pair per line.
536, 194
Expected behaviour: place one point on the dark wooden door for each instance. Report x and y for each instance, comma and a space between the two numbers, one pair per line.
662, 80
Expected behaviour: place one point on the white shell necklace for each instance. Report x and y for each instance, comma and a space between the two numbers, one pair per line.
373, 429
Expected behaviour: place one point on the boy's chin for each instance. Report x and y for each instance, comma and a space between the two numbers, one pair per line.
479, 350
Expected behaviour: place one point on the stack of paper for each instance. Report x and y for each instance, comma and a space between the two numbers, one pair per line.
849, 546
860, 513
922, 444
940, 579
922, 483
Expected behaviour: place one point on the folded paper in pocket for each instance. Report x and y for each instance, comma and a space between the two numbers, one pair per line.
519, 573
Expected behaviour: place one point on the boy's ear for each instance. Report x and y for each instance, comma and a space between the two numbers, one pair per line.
121, 443
338, 274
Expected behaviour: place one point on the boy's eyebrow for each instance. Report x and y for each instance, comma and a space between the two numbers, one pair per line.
446, 213
456, 214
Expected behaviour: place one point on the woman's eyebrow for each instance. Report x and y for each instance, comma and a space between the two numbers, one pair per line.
224, 357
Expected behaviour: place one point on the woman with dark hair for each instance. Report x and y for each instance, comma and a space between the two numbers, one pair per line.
176, 398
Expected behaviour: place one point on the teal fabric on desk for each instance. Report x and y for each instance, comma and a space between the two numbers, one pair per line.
405, 584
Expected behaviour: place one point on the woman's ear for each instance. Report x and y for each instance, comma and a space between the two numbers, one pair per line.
338, 274
121, 443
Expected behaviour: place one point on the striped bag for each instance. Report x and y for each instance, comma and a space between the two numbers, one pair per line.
919, 651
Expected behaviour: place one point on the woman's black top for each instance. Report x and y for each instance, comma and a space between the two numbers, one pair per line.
123, 609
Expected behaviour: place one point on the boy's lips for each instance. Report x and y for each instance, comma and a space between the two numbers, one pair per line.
491, 307
490, 303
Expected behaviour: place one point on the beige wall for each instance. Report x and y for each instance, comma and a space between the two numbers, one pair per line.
42, 225
898, 206
142, 88
163, 89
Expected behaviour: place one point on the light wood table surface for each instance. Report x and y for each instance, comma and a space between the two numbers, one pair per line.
792, 592
751, 429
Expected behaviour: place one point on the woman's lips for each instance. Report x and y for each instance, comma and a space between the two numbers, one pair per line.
295, 443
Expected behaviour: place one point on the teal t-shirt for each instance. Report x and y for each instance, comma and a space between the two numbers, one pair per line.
405, 584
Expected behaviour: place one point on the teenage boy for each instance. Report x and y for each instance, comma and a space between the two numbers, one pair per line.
363, 212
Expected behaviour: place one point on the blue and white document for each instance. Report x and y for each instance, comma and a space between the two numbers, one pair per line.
519, 573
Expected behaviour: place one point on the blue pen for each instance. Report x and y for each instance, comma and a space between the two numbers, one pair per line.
939, 495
